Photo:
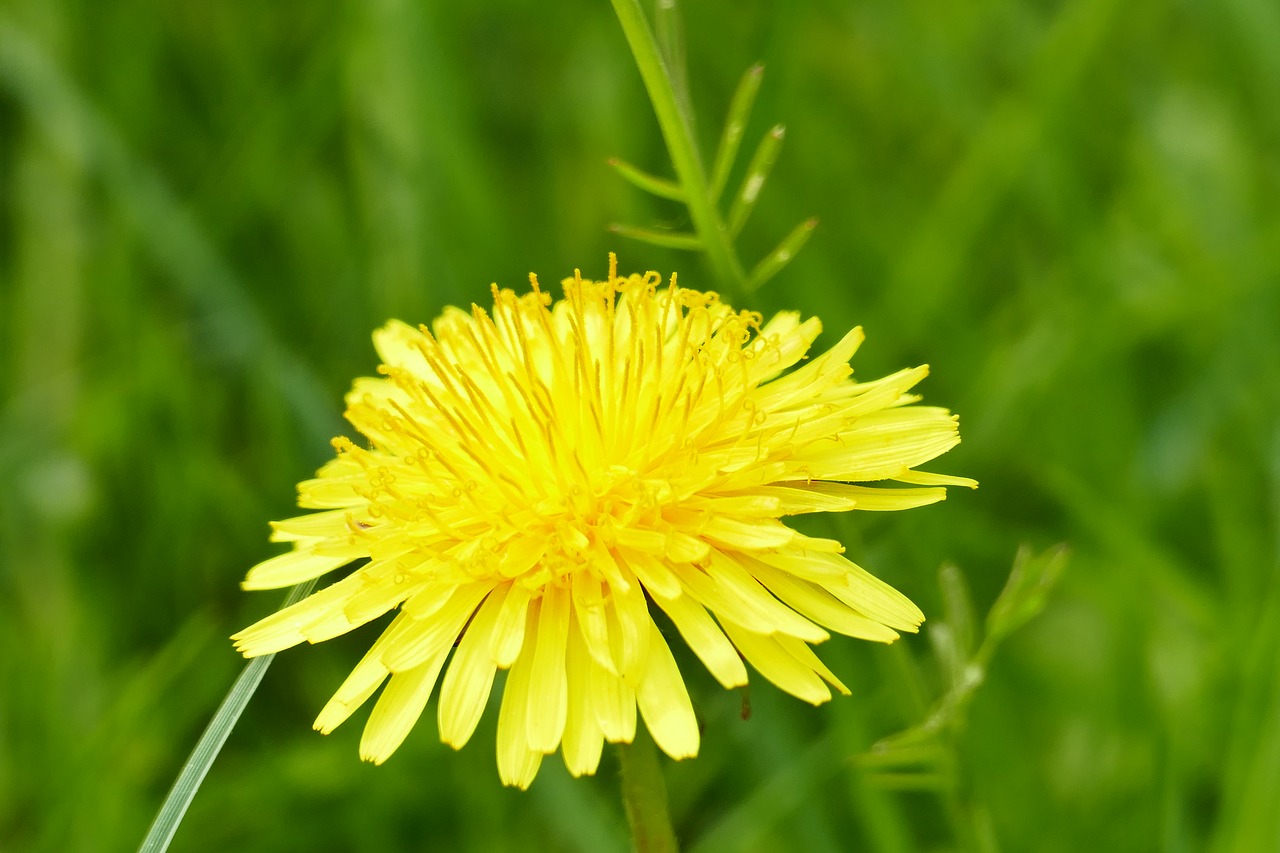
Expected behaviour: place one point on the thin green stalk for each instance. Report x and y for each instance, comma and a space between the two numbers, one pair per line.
210, 744
678, 135
644, 794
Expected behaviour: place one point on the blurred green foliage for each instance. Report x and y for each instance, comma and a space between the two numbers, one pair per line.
1070, 208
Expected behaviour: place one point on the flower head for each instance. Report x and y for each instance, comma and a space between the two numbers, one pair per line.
541, 479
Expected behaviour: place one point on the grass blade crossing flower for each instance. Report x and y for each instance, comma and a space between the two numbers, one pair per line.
539, 479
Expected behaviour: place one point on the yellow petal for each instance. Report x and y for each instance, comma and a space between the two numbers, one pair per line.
427, 601
853, 585
664, 702
592, 619
469, 679
517, 763
548, 684
313, 526
654, 574
788, 340
684, 548
521, 554
706, 640
641, 539
420, 640
807, 657
922, 478
813, 601
399, 344
614, 702
367, 676
288, 627
627, 615
757, 502
398, 708
507, 636
882, 445
862, 398
583, 738
382, 592
821, 371
774, 662
820, 496
726, 588
747, 535
335, 485
291, 568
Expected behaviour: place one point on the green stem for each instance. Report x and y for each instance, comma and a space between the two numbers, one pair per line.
678, 135
210, 744
644, 794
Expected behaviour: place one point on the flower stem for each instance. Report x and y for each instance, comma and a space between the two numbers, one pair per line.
677, 132
215, 735
644, 794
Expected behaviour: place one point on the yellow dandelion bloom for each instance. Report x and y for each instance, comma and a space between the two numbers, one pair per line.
539, 479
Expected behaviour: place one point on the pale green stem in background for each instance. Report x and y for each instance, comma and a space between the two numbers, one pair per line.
644, 793
668, 31
210, 744
678, 135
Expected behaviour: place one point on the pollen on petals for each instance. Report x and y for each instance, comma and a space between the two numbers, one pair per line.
538, 477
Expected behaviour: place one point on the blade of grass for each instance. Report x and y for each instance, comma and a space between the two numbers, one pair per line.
210, 744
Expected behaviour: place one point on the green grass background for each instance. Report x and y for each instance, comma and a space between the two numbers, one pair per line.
1068, 207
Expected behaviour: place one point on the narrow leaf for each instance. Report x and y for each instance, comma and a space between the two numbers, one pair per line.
667, 239
734, 126
779, 257
757, 172
649, 183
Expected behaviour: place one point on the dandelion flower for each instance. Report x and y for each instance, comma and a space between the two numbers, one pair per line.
541, 480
